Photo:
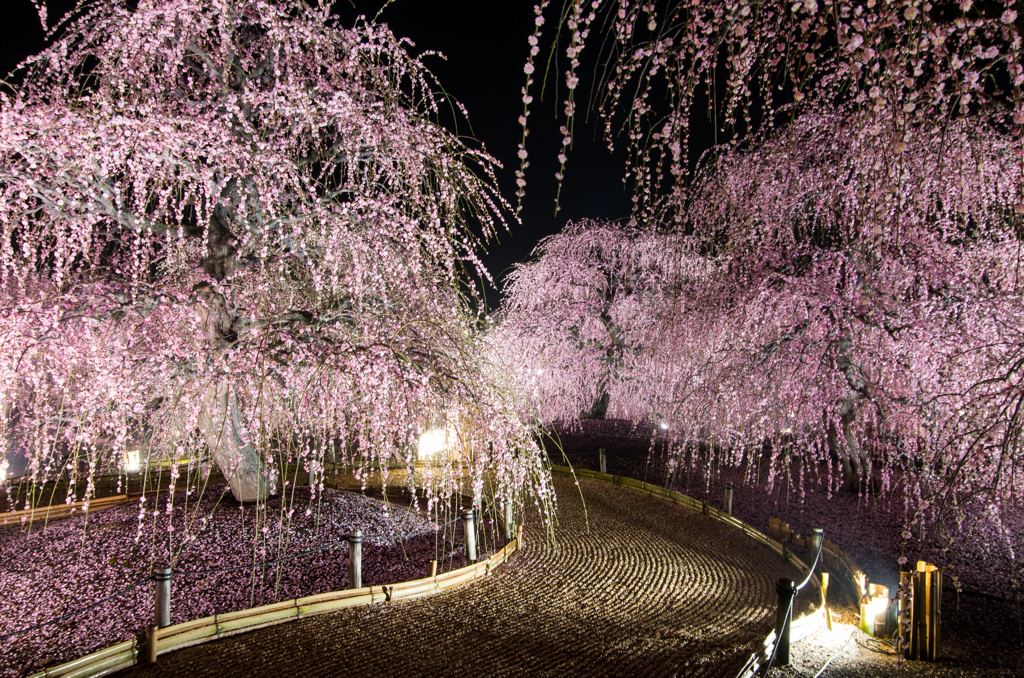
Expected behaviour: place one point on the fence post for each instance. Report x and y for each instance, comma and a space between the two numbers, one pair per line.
162, 596
355, 560
468, 521
152, 634
786, 589
728, 498
603, 459
817, 544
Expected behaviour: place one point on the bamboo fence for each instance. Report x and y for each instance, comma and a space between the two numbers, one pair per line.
61, 510
131, 652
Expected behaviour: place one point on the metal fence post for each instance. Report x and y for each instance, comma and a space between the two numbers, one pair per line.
817, 543
786, 589
469, 522
603, 460
162, 596
355, 560
728, 498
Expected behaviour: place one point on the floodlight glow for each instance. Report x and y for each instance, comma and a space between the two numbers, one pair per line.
664, 426
432, 443
131, 461
879, 598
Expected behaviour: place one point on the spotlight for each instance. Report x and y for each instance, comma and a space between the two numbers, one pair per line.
432, 444
131, 461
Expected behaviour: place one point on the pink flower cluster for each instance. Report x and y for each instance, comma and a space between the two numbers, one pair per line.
236, 230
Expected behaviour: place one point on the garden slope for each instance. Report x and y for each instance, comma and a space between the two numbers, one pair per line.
650, 589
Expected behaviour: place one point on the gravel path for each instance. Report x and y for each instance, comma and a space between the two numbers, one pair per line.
650, 589
978, 641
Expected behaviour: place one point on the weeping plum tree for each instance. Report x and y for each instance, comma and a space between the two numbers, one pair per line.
862, 322
235, 225
578, 319
661, 67
868, 250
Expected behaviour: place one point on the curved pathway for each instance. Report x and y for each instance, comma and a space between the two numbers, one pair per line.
651, 588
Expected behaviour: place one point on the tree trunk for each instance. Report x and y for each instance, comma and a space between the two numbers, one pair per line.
221, 423
219, 417
848, 453
599, 410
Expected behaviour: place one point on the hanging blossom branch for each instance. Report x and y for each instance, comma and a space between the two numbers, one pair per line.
234, 230
858, 308
908, 65
869, 329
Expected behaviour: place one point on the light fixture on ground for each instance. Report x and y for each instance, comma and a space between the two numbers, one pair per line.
431, 445
131, 461
874, 606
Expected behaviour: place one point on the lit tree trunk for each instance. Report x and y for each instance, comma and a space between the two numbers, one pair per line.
220, 418
221, 423
852, 458
599, 410
846, 450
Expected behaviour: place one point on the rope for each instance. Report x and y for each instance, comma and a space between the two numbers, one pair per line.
841, 650
328, 547
188, 573
69, 615
778, 639
810, 572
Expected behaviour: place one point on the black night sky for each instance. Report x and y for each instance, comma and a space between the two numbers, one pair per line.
486, 47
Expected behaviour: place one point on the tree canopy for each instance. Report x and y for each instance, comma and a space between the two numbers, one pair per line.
237, 225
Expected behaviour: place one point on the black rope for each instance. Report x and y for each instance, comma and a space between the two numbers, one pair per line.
627, 463
810, 572
187, 573
778, 639
328, 547
69, 615
771, 660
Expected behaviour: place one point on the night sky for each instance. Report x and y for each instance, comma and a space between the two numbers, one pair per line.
485, 45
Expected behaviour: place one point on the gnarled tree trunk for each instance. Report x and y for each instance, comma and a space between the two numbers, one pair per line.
846, 450
219, 418
221, 422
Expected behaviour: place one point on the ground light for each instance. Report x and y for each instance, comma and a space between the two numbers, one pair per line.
131, 461
431, 445
872, 607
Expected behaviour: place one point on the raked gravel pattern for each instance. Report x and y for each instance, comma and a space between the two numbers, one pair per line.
634, 585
